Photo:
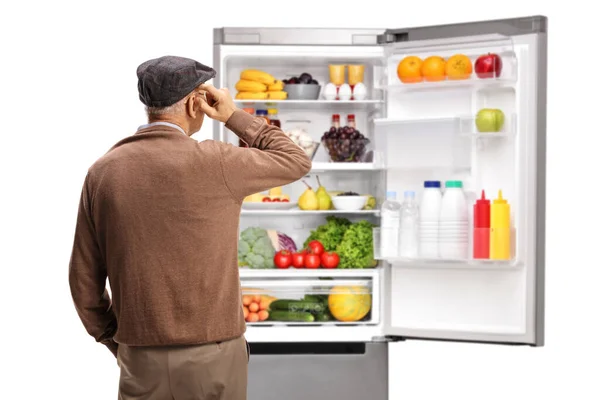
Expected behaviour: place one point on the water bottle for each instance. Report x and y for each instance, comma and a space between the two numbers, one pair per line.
390, 226
409, 222
429, 220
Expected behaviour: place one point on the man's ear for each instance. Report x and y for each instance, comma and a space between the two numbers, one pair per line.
190, 107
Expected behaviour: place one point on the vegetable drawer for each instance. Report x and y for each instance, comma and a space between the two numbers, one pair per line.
309, 301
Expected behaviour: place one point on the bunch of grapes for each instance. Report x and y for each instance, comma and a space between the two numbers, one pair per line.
345, 144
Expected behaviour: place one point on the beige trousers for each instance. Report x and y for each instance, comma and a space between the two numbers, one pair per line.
216, 371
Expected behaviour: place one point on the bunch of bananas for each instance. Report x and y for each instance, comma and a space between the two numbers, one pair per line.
259, 85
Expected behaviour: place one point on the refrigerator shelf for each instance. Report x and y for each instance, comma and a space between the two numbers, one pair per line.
484, 264
298, 212
308, 273
312, 104
342, 166
267, 324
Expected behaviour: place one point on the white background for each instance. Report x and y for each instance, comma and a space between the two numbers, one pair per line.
68, 92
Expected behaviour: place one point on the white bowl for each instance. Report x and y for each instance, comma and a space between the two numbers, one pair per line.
349, 203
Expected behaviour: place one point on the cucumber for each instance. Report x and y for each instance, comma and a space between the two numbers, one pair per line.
291, 316
297, 306
315, 298
324, 317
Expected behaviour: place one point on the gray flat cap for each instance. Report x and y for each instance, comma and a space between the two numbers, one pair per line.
166, 80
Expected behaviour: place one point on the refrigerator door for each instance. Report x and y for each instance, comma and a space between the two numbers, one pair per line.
431, 131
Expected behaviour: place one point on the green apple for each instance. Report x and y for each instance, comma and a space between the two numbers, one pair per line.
489, 120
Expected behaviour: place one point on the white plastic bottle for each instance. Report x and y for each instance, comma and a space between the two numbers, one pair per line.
390, 226
454, 223
429, 221
409, 227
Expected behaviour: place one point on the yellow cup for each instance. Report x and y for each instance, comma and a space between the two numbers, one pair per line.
356, 74
337, 74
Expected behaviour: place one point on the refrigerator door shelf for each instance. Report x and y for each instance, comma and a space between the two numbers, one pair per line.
443, 263
453, 52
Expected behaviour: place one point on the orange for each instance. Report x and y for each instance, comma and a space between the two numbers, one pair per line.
409, 69
459, 66
434, 68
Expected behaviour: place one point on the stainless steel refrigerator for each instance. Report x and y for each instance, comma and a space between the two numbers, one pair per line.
422, 124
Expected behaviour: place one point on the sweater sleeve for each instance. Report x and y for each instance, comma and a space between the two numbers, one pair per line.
87, 278
272, 159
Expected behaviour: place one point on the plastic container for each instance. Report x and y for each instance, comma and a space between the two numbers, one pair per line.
454, 223
409, 227
390, 226
500, 229
481, 228
429, 221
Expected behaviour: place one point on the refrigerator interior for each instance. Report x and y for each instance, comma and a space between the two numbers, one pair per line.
417, 132
362, 177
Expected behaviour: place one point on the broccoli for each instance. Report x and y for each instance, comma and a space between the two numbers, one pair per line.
255, 249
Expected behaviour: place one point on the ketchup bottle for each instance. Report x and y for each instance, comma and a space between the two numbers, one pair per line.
481, 229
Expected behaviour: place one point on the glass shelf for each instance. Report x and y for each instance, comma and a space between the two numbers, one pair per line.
298, 212
311, 104
342, 166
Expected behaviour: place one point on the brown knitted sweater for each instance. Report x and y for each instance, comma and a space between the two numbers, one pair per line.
159, 217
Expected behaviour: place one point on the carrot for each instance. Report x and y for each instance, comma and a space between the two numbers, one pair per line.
263, 315
253, 317
253, 307
246, 300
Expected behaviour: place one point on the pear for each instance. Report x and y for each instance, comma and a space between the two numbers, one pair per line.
308, 200
323, 197
371, 203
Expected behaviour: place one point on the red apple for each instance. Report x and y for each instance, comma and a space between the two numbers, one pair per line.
488, 66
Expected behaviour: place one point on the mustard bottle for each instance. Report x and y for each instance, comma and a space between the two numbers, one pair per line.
500, 229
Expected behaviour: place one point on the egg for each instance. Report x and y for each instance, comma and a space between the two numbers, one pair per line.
345, 92
360, 91
330, 91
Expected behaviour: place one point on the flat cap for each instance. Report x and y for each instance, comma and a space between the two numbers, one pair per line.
166, 80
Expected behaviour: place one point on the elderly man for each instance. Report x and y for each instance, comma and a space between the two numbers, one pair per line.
159, 216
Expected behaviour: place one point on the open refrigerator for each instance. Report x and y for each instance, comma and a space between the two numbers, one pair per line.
418, 131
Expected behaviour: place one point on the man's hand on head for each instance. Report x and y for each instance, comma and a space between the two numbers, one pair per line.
218, 105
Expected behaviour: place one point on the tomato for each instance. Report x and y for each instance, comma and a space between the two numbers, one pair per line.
312, 261
285, 201
275, 200
316, 247
330, 259
266, 200
283, 259
298, 259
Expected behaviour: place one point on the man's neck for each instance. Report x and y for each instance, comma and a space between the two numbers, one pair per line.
180, 122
